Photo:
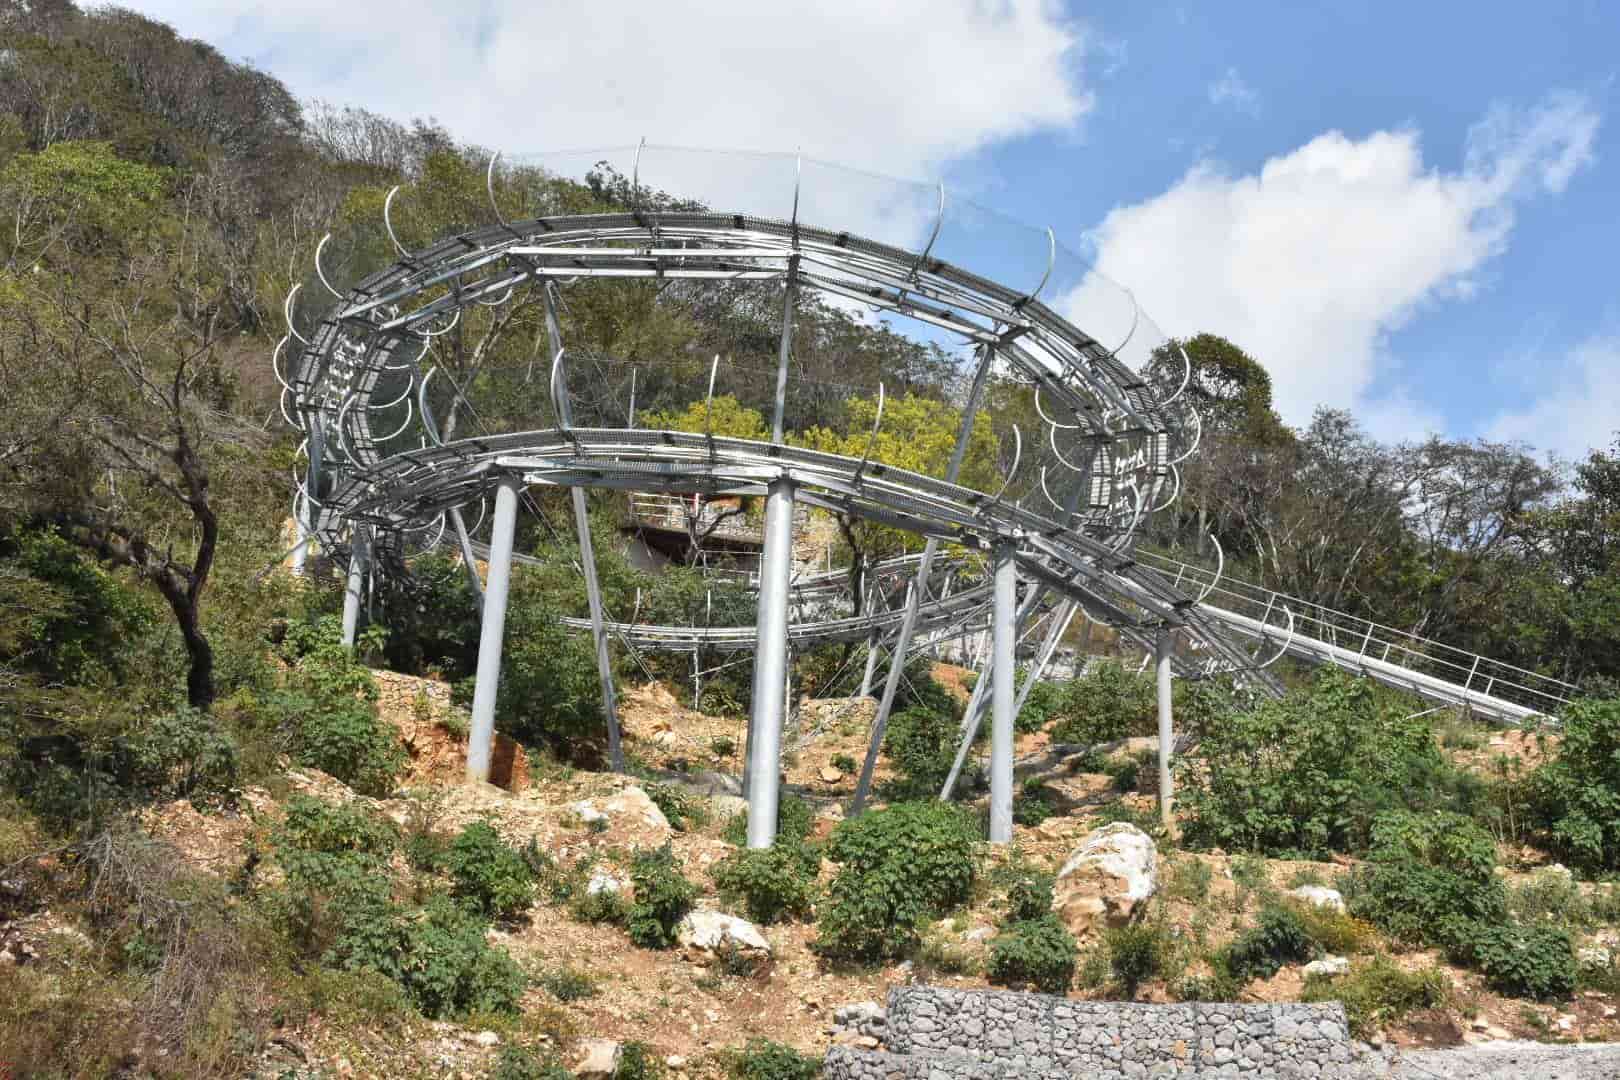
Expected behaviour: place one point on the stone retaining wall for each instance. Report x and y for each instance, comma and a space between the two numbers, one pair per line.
993, 1034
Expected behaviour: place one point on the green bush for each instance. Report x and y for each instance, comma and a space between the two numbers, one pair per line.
516, 1063
762, 1059
488, 874
663, 896
1038, 952
1032, 805
771, 884
794, 818
1029, 897
1333, 931
897, 867
920, 743
1378, 993
567, 984
1261, 951
638, 1061
1219, 985
1190, 879
1044, 699
438, 953
1110, 702
1309, 774
550, 694
1534, 962
1136, 953
1428, 877
1575, 795
680, 808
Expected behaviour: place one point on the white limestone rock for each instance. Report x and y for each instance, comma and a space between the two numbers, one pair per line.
1319, 896
601, 1059
1329, 966
630, 817
1107, 879
703, 935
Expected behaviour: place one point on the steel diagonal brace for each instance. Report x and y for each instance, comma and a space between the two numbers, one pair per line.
587, 557
897, 656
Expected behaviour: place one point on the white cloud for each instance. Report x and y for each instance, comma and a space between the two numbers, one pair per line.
1230, 89
1310, 263
1580, 410
901, 86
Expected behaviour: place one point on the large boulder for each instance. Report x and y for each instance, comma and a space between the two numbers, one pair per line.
1319, 896
600, 1061
705, 935
1107, 879
629, 818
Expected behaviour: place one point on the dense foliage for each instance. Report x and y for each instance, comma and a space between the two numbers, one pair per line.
897, 867
1309, 774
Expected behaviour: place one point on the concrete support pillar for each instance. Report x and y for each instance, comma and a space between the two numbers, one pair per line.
1163, 648
770, 666
1004, 637
481, 739
300, 536
355, 585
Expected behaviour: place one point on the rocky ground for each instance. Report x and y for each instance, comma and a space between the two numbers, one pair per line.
683, 1002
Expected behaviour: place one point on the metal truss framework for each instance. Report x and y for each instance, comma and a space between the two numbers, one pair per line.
375, 483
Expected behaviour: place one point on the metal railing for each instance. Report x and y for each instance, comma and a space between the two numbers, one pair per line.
1431, 668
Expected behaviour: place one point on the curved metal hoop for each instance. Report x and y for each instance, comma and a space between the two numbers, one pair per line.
319, 272
388, 221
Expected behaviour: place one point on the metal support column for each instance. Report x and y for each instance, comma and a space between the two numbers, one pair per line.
1163, 648
1001, 693
871, 665
307, 513
908, 621
587, 558
481, 738
300, 537
467, 558
1060, 626
770, 666
355, 585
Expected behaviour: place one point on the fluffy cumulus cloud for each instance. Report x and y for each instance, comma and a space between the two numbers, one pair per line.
899, 86
1312, 261
1582, 408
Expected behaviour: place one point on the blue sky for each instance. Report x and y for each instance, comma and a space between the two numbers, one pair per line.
1409, 210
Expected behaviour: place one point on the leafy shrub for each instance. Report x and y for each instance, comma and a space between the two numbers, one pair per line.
1135, 954
1428, 877
516, 1063
603, 906
1218, 985
550, 694
663, 896
437, 953
1550, 897
638, 1061
567, 984
1378, 993
1521, 961
1333, 931
844, 763
1277, 939
921, 745
1029, 897
680, 808
1110, 702
898, 866
329, 716
1189, 880
1310, 774
794, 818
487, 873
1575, 795
762, 1059
1044, 699
1038, 952
1032, 807
770, 883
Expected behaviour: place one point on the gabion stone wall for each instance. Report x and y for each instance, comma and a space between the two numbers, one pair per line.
968, 1035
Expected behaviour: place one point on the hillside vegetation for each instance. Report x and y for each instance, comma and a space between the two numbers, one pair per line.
226, 848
